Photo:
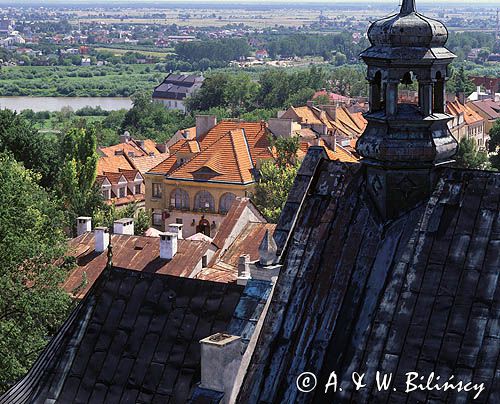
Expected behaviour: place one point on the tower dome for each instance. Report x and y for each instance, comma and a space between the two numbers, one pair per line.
408, 29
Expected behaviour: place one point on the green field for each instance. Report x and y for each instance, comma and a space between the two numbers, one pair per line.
122, 51
77, 81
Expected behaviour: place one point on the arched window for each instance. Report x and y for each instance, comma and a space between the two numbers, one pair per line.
439, 93
376, 93
179, 199
226, 201
204, 201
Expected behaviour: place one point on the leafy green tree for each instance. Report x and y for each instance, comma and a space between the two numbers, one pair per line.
272, 189
494, 145
460, 82
211, 94
340, 59
240, 93
32, 304
151, 120
468, 155
109, 213
300, 97
276, 177
76, 183
37, 151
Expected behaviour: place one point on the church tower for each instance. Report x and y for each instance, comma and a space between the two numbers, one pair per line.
404, 142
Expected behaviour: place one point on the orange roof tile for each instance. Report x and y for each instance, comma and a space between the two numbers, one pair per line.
230, 150
113, 164
129, 174
146, 163
125, 200
227, 157
113, 178
471, 117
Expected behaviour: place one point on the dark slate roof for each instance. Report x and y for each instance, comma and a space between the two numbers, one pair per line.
357, 294
244, 321
249, 308
133, 338
175, 86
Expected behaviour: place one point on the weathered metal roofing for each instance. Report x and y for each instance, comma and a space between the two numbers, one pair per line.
357, 294
134, 338
131, 252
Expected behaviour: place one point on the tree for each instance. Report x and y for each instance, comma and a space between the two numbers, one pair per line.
108, 214
76, 186
240, 93
32, 304
276, 178
300, 97
460, 82
468, 156
494, 145
37, 151
151, 120
211, 94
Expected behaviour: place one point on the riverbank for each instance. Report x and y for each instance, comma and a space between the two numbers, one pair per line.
54, 104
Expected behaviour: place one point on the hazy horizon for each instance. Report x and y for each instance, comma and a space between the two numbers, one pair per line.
368, 2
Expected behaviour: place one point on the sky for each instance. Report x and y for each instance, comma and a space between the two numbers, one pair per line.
268, 1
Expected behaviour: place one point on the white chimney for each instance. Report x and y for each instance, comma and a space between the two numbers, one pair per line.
176, 228
221, 356
168, 245
125, 137
244, 270
101, 235
204, 123
83, 225
124, 226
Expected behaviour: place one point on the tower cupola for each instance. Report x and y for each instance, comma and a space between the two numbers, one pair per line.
406, 137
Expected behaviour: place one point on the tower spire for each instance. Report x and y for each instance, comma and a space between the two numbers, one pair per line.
408, 7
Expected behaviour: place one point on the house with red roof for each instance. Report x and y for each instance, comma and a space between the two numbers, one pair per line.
205, 172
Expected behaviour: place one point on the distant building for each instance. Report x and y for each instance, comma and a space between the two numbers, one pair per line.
261, 54
489, 110
120, 169
85, 62
466, 123
6, 25
175, 88
491, 84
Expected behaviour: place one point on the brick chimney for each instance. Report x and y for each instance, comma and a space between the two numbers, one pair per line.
221, 356
124, 226
83, 225
176, 228
204, 123
168, 245
101, 235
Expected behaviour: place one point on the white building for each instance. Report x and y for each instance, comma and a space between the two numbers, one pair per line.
173, 91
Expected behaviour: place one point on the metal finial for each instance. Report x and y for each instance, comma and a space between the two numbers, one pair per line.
408, 7
109, 264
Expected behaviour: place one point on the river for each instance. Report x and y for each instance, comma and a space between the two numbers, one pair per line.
57, 103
